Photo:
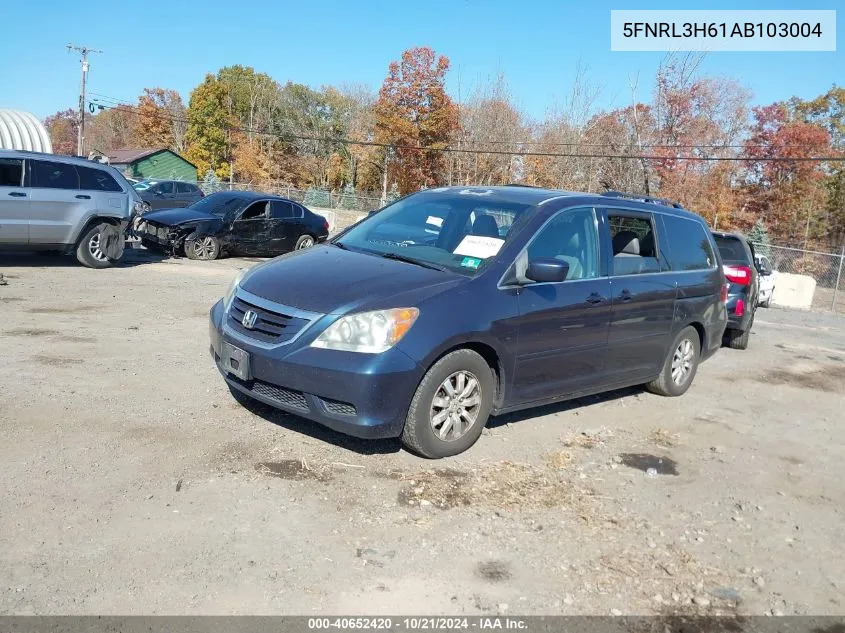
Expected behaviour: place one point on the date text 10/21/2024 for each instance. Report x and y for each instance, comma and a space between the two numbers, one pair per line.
419, 624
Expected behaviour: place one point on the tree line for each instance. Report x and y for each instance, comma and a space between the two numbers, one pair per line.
695, 139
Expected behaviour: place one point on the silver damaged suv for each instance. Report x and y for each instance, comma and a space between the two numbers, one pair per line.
51, 203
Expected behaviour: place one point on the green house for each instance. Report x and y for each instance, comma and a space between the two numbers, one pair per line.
152, 163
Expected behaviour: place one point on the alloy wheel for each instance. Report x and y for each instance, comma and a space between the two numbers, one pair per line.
455, 406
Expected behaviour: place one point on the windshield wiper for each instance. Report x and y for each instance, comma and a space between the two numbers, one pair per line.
411, 260
342, 247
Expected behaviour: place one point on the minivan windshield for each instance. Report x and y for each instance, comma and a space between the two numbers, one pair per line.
455, 230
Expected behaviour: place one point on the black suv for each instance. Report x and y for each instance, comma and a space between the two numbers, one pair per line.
743, 286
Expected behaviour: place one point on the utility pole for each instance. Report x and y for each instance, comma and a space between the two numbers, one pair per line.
80, 133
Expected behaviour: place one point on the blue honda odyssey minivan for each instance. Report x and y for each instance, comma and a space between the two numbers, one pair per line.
454, 304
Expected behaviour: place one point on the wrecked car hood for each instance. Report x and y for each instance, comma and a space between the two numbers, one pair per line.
174, 217
327, 279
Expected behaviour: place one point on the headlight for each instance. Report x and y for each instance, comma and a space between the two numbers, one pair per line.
369, 332
230, 293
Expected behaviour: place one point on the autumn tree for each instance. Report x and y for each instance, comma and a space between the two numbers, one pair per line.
161, 119
786, 194
350, 109
63, 128
112, 128
209, 125
491, 124
413, 111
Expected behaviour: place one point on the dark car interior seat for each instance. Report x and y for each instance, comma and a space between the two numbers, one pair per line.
485, 226
632, 255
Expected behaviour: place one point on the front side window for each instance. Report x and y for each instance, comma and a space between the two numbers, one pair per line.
459, 231
256, 211
570, 237
11, 172
96, 180
632, 239
52, 175
687, 244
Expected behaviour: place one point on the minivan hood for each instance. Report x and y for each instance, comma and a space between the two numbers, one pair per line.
173, 217
329, 280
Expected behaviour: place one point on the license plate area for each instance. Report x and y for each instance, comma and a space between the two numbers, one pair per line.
235, 361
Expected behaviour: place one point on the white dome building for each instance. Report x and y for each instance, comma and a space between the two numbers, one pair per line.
22, 130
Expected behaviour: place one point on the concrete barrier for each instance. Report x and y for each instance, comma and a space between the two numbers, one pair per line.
794, 291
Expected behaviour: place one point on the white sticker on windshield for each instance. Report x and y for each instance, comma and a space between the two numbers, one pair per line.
434, 220
479, 246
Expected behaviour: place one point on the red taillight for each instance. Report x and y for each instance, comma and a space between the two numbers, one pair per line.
723, 296
326, 224
739, 310
738, 274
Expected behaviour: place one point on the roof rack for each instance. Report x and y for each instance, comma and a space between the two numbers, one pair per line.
649, 199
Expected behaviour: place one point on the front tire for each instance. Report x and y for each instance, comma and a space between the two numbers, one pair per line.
451, 406
89, 251
680, 366
202, 247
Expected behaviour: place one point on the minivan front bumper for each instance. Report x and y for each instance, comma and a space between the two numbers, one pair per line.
363, 395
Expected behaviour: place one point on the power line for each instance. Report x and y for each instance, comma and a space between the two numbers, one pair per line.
127, 104
461, 150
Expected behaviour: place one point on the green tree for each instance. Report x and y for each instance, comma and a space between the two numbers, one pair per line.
759, 236
210, 183
209, 124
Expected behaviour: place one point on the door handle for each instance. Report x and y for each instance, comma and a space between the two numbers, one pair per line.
17, 194
625, 295
594, 299
82, 196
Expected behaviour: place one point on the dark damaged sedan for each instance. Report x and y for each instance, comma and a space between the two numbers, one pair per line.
233, 223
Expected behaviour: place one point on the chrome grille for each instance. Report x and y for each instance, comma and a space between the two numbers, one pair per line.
270, 326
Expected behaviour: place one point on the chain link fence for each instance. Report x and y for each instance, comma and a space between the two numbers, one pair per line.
352, 201
828, 270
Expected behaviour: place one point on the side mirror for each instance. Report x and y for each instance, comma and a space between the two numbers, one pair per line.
547, 269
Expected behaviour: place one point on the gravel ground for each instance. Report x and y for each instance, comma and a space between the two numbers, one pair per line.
132, 483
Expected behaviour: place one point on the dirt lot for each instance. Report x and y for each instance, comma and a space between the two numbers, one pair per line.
132, 483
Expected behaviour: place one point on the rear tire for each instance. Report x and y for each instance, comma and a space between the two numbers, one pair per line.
680, 366
304, 241
737, 339
430, 408
88, 251
202, 247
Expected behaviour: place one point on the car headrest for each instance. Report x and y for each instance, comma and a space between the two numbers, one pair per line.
626, 242
485, 226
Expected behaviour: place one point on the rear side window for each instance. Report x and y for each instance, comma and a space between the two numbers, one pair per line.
165, 187
688, 247
96, 180
731, 249
52, 175
281, 210
183, 187
298, 212
634, 249
11, 172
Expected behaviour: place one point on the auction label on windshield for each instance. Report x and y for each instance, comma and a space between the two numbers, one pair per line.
479, 246
723, 30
